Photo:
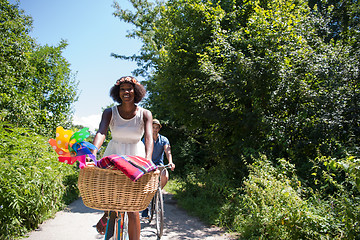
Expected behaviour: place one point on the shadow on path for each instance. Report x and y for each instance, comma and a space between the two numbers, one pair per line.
78, 207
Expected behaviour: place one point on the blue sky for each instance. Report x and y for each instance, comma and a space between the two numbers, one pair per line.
92, 34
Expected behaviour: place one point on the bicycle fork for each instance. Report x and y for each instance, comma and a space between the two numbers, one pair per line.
116, 224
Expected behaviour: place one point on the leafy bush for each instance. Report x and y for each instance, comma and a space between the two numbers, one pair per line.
352, 166
274, 206
34, 185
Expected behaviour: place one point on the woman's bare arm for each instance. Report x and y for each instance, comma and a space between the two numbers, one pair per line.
103, 128
149, 142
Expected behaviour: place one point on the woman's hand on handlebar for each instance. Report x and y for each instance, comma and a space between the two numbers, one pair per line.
89, 160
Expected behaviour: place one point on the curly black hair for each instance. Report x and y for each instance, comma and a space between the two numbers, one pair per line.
139, 89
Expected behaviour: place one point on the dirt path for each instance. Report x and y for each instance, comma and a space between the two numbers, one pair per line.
77, 222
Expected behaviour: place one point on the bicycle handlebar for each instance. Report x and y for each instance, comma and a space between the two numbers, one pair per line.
163, 167
166, 166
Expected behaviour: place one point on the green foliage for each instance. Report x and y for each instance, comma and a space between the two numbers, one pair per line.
208, 193
53, 88
200, 198
351, 165
272, 206
275, 205
34, 185
249, 75
37, 88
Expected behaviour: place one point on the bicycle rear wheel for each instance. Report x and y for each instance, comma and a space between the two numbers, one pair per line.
159, 208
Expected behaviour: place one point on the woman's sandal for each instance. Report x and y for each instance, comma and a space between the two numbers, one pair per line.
103, 225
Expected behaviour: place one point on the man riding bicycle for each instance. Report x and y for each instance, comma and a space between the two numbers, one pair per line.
161, 146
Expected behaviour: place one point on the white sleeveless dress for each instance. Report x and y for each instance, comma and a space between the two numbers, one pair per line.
126, 134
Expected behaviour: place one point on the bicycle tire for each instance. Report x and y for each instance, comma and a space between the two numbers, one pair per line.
159, 206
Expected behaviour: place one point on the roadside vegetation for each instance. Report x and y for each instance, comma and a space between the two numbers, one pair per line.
34, 185
37, 90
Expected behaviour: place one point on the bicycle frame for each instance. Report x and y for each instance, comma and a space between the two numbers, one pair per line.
120, 229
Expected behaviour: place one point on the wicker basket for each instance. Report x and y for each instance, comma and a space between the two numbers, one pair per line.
106, 189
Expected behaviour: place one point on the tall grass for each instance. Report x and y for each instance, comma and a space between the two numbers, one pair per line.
33, 184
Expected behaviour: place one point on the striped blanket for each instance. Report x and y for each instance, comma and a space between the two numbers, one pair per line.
132, 166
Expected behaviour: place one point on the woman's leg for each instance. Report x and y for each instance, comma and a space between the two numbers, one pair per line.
101, 225
134, 225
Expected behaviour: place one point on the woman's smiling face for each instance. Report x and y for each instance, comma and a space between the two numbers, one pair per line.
127, 92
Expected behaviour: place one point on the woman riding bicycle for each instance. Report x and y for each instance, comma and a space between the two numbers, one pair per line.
128, 124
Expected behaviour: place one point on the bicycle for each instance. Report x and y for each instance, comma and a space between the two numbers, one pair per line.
157, 206
112, 191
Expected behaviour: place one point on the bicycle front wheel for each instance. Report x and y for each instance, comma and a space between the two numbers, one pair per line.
159, 208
